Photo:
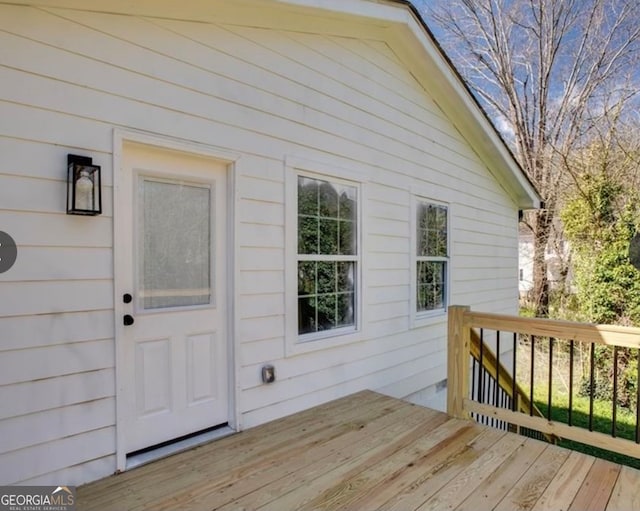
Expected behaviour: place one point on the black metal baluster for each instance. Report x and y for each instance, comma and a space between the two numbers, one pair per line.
473, 377
481, 383
504, 405
514, 397
484, 390
591, 385
550, 378
533, 354
615, 392
495, 395
484, 386
489, 394
570, 411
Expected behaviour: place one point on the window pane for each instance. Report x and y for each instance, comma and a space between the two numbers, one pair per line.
326, 218
327, 277
422, 242
423, 230
440, 227
422, 298
307, 235
430, 285
432, 242
175, 241
347, 238
346, 277
328, 237
348, 203
327, 311
327, 200
422, 216
307, 315
326, 291
431, 230
346, 309
307, 196
306, 278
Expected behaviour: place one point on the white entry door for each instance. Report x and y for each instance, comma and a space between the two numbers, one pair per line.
172, 275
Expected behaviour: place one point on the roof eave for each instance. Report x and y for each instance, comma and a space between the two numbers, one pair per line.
488, 142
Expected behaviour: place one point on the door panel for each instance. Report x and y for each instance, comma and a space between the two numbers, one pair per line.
175, 352
201, 362
153, 377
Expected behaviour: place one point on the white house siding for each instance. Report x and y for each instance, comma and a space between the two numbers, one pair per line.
68, 78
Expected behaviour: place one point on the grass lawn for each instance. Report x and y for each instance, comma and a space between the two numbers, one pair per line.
602, 413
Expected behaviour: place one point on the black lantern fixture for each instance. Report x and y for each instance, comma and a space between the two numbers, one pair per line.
83, 186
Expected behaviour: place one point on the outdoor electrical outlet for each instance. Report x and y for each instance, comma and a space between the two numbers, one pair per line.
268, 374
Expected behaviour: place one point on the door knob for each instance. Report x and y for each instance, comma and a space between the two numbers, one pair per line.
128, 320
126, 298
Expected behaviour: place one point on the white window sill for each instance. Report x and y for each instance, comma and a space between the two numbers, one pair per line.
323, 340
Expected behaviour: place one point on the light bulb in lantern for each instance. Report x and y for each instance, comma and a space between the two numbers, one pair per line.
84, 191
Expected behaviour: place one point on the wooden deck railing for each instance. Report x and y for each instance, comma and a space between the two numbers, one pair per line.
493, 383
464, 399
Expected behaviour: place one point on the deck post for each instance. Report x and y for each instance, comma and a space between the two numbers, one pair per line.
458, 345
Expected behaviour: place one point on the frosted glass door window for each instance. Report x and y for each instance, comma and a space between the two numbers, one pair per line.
174, 230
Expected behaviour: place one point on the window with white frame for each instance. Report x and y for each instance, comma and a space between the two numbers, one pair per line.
432, 256
328, 255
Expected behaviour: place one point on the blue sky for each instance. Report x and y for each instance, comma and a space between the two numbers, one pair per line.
622, 82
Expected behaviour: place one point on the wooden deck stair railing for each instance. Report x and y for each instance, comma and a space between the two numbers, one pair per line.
500, 375
463, 346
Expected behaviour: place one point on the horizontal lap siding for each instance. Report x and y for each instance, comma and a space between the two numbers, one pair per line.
56, 347
427, 154
69, 77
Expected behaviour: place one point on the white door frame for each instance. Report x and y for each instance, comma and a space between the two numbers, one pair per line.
120, 137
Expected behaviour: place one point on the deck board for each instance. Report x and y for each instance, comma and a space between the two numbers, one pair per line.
494, 489
437, 470
332, 458
597, 487
626, 493
368, 451
527, 491
565, 485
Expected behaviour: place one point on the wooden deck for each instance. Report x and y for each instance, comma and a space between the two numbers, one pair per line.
367, 451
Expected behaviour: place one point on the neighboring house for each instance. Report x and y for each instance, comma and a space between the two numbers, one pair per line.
556, 262
297, 184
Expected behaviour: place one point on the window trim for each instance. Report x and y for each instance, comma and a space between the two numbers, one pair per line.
326, 171
420, 318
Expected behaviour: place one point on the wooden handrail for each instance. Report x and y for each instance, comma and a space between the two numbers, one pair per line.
612, 335
506, 383
463, 344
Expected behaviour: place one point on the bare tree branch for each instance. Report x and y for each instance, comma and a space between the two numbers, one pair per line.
553, 71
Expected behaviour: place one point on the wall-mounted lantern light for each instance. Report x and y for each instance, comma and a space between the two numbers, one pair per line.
83, 186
